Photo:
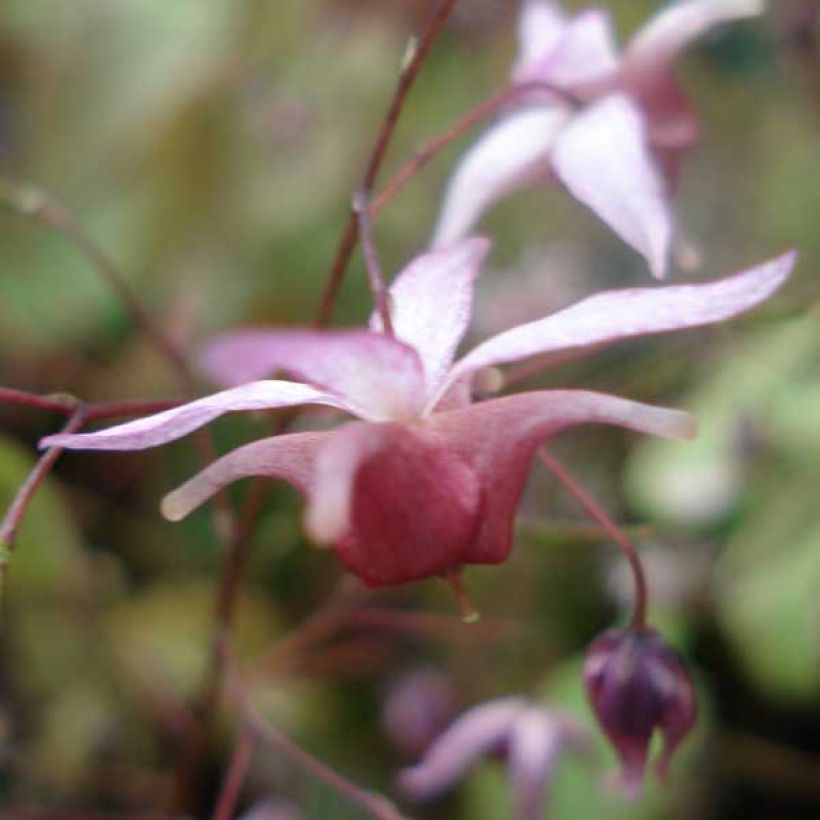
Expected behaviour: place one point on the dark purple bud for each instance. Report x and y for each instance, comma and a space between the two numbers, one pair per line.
637, 684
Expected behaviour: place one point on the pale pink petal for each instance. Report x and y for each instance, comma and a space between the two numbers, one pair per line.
431, 303
288, 457
583, 57
379, 375
622, 314
498, 439
535, 745
397, 502
541, 25
179, 421
513, 154
603, 159
476, 733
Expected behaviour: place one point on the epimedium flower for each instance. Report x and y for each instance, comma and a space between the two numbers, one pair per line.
426, 481
530, 737
612, 131
636, 685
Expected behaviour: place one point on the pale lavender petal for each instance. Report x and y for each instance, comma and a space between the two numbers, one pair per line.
541, 25
672, 29
536, 742
381, 376
179, 421
622, 314
583, 57
513, 154
603, 159
288, 457
431, 303
474, 734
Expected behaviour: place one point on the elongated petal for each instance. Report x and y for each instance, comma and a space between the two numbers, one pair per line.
432, 301
178, 422
603, 159
623, 314
371, 371
288, 457
583, 56
535, 745
477, 732
498, 439
541, 25
513, 154
397, 501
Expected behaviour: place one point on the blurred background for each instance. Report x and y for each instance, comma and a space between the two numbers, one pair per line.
211, 147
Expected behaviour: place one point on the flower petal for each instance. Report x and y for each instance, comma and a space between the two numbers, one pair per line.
535, 745
622, 314
371, 371
289, 457
397, 501
541, 25
498, 439
432, 301
513, 154
474, 734
584, 56
603, 159
179, 421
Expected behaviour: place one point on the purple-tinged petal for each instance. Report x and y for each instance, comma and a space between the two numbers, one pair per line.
476, 733
179, 421
431, 303
583, 57
498, 439
541, 25
513, 154
621, 314
398, 502
289, 457
603, 159
536, 741
371, 371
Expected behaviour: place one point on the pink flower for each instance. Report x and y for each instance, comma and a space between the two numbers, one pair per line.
530, 738
427, 481
637, 684
606, 151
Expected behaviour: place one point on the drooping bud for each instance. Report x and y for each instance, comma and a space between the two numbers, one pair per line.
637, 684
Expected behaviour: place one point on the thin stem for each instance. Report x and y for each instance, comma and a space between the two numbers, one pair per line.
14, 515
599, 514
381, 296
232, 784
410, 70
375, 805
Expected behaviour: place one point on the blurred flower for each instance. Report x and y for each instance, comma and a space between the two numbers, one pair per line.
418, 706
637, 684
531, 739
428, 481
272, 808
628, 114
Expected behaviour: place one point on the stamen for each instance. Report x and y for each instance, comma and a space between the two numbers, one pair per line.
455, 580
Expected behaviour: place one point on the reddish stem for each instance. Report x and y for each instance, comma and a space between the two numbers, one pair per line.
381, 296
232, 784
599, 514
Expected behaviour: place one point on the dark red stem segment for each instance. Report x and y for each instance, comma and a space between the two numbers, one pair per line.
234, 777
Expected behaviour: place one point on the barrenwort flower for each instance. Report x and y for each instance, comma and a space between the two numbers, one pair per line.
427, 481
616, 148
636, 685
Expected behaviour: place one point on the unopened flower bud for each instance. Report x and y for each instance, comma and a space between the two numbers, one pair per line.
637, 684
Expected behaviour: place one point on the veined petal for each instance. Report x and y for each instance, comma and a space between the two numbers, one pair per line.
583, 56
672, 29
513, 154
432, 301
498, 439
541, 25
289, 457
535, 744
622, 314
397, 501
473, 735
371, 371
179, 421
603, 159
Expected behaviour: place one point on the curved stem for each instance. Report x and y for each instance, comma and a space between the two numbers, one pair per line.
599, 514
381, 296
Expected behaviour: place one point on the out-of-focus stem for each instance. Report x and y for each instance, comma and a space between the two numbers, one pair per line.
232, 784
